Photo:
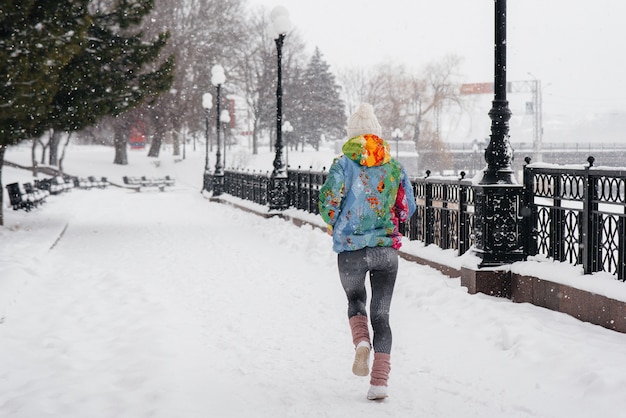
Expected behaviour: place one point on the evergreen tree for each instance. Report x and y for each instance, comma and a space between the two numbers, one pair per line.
38, 38
115, 71
321, 109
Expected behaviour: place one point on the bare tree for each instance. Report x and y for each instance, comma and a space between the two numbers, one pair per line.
441, 79
204, 33
355, 85
255, 73
410, 101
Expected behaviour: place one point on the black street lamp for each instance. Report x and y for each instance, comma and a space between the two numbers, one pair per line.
207, 104
278, 197
217, 79
225, 119
498, 196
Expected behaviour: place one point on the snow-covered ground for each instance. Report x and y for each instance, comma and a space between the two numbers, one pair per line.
122, 304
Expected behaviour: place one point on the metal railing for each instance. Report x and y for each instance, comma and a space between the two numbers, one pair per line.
304, 187
576, 215
445, 212
252, 186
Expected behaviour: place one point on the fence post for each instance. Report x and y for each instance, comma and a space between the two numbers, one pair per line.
589, 225
414, 219
310, 197
429, 225
529, 212
597, 221
291, 187
463, 226
445, 217
621, 242
298, 189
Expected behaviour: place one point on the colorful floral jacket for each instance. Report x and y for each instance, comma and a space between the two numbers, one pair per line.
366, 195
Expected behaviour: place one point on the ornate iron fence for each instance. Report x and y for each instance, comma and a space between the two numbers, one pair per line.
252, 186
577, 215
304, 187
445, 212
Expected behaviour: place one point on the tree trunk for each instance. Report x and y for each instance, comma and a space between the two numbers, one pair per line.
43, 151
2, 149
155, 145
55, 140
33, 157
157, 138
69, 135
119, 141
176, 140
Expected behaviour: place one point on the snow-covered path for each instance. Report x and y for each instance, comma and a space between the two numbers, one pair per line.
168, 305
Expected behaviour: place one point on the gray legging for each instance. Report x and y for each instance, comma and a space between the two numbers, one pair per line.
382, 264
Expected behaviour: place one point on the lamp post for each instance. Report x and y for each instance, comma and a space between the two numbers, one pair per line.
217, 79
287, 129
207, 104
397, 135
225, 119
278, 197
498, 196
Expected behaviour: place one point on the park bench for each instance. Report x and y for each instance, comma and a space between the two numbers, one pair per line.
90, 182
82, 183
169, 181
48, 185
64, 182
34, 193
143, 181
101, 184
21, 198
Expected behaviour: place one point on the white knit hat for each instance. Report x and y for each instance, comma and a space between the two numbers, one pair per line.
364, 121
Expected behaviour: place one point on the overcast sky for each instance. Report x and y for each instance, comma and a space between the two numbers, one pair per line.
576, 48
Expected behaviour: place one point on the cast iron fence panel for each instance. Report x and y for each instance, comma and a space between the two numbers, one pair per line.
252, 186
578, 216
467, 218
304, 187
415, 228
445, 213
609, 214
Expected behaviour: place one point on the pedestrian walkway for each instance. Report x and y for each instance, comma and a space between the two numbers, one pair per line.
169, 305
